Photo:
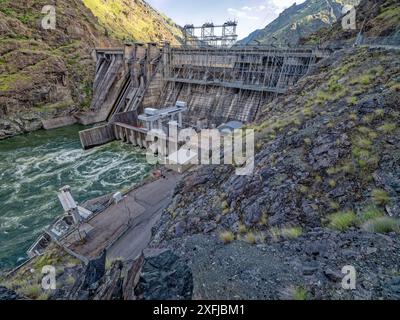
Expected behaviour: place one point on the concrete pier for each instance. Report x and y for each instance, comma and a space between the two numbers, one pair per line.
124, 229
97, 136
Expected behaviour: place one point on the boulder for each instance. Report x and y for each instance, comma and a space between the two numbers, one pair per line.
164, 276
7, 294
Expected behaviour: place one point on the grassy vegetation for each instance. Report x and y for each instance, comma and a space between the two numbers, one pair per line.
370, 213
250, 238
242, 229
137, 22
292, 233
342, 220
10, 81
263, 220
380, 197
227, 237
352, 101
50, 258
300, 293
387, 128
225, 207
32, 291
390, 14
382, 225
332, 183
365, 156
27, 281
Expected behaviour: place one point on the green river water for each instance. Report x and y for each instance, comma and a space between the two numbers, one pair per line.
34, 166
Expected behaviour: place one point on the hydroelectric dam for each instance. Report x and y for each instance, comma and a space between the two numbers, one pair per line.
217, 84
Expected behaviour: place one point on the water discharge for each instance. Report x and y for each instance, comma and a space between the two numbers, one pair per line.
34, 166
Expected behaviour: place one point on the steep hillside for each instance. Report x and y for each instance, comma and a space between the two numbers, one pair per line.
325, 193
376, 18
298, 21
134, 19
325, 187
48, 73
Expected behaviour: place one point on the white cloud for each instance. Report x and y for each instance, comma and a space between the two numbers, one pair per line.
283, 4
242, 13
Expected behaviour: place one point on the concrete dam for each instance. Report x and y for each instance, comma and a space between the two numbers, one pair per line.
218, 84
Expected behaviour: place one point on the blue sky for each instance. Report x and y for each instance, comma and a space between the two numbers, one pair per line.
251, 14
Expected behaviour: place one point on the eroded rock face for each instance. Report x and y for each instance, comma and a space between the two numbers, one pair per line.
273, 270
45, 73
164, 276
7, 294
155, 275
89, 281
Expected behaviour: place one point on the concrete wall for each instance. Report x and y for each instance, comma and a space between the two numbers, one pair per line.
97, 136
58, 122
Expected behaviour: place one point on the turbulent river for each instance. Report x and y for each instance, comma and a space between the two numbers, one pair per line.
34, 166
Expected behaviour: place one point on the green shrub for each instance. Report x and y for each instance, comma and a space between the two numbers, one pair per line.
226, 237
264, 220
382, 225
32, 291
300, 293
334, 205
250, 238
291, 233
353, 117
303, 189
275, 233
342, 220
380, 197
352, 101
370, 213
43, 297
380, 113
387, 128
242, 228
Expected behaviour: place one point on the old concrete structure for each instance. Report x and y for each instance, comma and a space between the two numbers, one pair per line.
219, 84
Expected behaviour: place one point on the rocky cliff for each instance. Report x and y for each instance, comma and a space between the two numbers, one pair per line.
375, 18
48, 73
155, 275
297, 22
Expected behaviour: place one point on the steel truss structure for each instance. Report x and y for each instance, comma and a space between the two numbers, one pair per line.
211, 35
261, 69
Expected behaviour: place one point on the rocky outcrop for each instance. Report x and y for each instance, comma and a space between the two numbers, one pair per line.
275, 270
155, 275
377, 18
164, 277
89, 282
7, 294
46, 74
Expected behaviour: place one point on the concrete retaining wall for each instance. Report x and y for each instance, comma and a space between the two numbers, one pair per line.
58, 122
97, 136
